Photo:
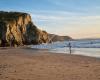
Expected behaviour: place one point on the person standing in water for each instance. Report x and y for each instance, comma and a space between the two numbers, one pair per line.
69, 45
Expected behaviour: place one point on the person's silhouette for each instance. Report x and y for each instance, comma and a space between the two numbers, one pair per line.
69, 45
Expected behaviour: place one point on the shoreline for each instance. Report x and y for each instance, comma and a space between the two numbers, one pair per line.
27, 64
35, 50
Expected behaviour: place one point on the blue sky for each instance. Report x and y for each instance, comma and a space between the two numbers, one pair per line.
76, 18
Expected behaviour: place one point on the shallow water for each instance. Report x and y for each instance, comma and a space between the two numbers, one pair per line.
79, 47
92, 52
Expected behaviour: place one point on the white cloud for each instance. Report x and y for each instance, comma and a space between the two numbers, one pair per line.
72, 19
67, 23
46, 17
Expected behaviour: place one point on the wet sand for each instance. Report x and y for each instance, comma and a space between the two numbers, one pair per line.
28, 64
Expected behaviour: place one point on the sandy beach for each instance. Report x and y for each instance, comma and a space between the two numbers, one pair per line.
28, 64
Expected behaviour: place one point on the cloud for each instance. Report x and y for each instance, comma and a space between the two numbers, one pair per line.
67, 23
68, 19
46, 17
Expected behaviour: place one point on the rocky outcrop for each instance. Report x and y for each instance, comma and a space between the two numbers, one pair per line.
18, 29
54, 38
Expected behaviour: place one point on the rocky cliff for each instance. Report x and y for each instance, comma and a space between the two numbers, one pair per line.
54, 38
18, 29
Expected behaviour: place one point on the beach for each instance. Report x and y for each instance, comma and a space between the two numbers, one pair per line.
34, 64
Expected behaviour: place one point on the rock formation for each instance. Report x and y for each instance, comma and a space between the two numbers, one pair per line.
54, 38
18, 29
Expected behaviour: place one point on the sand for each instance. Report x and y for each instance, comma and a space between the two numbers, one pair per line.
28, 64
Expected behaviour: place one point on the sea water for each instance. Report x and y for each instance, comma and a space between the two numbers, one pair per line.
78, 47
92, 52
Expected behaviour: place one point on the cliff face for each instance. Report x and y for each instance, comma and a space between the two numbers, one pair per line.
54, 38
18, 29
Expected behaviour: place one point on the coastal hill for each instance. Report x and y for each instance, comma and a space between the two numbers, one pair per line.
54, 38
17, 29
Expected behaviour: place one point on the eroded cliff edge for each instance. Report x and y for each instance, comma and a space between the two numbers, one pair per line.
17, 29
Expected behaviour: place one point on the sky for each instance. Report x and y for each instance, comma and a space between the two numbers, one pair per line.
75, 18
